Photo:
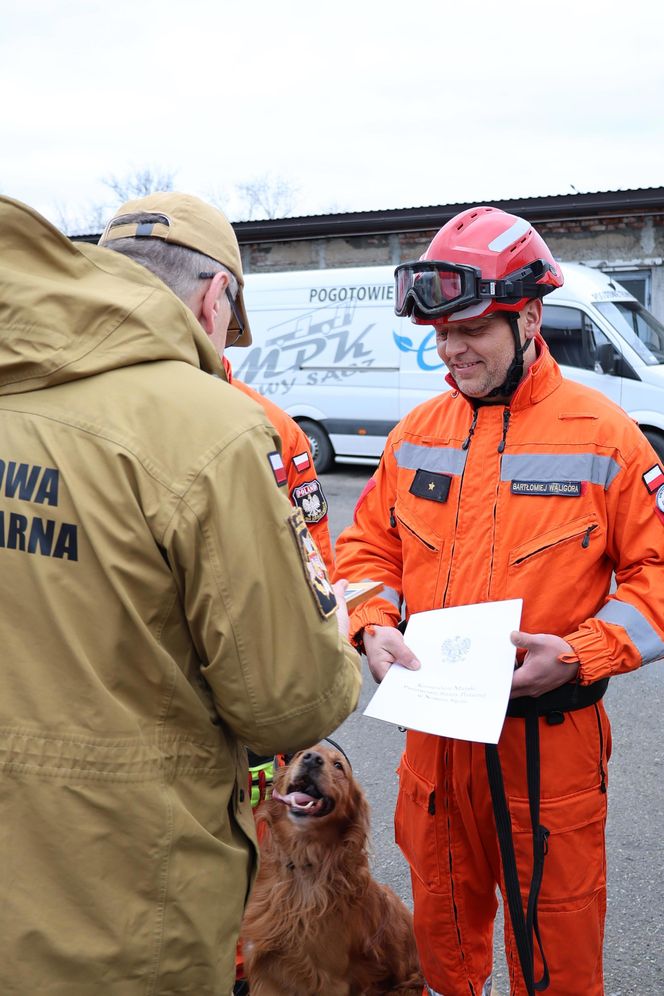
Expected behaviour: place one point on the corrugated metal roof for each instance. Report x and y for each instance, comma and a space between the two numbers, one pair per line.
551, 207
547, 208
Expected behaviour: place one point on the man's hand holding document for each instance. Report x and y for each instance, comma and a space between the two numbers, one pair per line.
463, 685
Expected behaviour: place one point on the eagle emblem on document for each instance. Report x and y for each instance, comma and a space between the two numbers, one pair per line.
455, 649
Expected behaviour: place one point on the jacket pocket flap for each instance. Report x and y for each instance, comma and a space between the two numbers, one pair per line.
419, 528
416, 826
563, 814
553, 538
415, 786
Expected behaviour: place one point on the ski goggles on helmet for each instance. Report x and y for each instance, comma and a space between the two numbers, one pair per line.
434, 288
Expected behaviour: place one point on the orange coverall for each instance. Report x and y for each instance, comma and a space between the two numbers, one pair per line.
304, 488
452, 517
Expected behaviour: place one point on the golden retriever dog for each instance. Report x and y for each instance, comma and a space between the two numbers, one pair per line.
317, 923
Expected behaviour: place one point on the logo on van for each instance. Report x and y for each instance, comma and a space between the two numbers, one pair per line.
319, 347
423, 351
327, 345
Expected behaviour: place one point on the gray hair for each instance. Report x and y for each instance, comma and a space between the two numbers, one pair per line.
180, 268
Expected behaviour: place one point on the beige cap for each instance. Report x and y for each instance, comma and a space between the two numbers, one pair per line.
186, 221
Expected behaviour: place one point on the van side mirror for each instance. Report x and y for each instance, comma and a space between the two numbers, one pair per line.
606, 357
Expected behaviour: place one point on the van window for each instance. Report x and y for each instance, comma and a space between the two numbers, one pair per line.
637, 282
572, 337
639, 327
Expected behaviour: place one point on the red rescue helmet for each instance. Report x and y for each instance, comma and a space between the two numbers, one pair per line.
481, 261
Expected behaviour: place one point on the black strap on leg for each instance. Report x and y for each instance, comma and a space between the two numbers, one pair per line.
552, 706
501, 814
540, 837
523, 927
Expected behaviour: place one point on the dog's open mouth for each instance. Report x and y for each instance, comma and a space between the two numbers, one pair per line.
304, 800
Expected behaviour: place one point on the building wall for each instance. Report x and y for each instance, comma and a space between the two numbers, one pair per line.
625, 241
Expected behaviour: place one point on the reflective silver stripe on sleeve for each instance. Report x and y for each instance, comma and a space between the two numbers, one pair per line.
390, 595
440, 459
559, 467
637, 627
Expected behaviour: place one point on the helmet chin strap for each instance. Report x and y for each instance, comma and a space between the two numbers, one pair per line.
515, 369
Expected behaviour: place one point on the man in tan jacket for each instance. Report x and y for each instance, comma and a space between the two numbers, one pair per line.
161, 608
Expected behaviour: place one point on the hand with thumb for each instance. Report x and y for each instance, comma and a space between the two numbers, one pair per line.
541, 670
384, 646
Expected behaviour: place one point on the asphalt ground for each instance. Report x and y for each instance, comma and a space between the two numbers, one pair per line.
634, 940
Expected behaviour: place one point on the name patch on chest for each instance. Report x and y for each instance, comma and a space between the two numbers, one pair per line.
433, 487
561, 489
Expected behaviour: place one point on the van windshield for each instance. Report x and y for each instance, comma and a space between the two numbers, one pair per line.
635, 324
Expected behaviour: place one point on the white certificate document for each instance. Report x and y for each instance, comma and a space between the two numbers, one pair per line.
463, 686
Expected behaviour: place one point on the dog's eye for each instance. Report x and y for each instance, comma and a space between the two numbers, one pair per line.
339, 765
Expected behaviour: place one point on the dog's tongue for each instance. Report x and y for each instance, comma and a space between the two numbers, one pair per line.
297, 800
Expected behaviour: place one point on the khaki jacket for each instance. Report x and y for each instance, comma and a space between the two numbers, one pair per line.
160, 610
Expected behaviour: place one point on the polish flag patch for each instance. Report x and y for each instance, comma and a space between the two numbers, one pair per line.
654, 478
659, 504
278, 468
302, 461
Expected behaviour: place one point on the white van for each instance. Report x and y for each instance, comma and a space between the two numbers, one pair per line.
329, 349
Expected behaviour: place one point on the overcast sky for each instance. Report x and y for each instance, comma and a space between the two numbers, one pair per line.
356, 105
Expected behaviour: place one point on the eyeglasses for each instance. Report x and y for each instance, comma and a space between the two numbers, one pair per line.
234, 308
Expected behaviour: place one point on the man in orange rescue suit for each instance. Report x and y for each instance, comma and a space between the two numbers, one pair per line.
304, 487
159, 595
516, 483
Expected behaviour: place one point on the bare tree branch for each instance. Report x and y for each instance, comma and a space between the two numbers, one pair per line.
139, 183
263, 196
219, 198
90, 221
268, 197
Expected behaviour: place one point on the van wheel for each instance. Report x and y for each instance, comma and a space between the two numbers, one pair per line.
321, 447
656, 440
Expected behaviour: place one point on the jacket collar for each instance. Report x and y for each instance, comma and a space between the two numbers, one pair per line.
541, 380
